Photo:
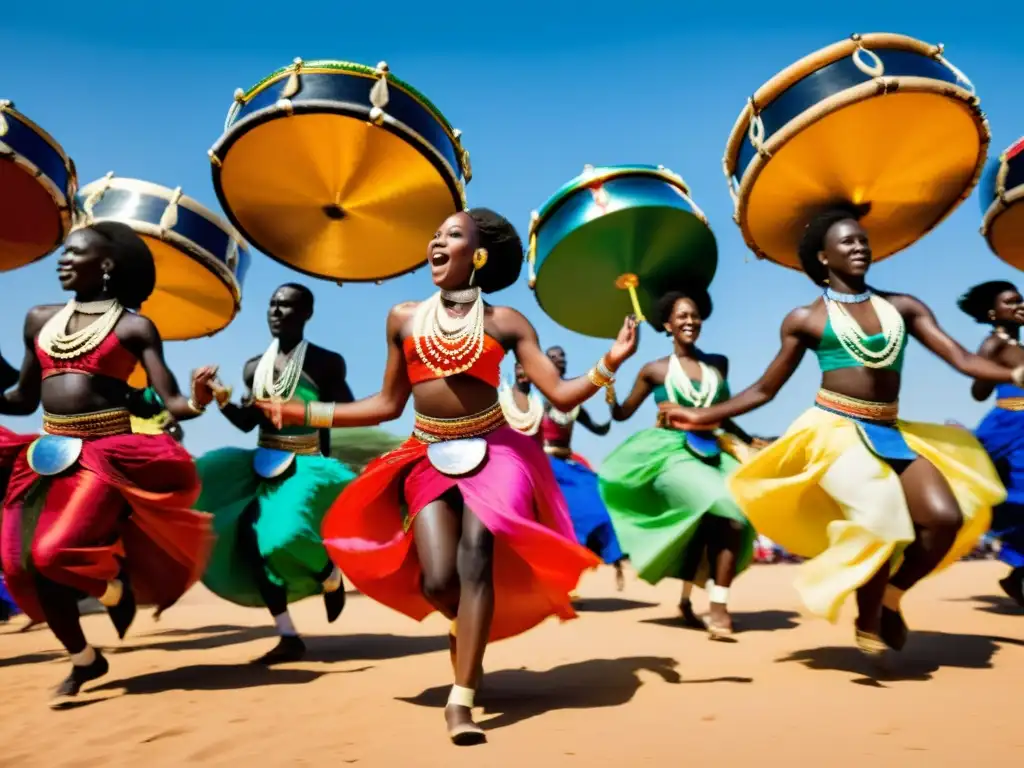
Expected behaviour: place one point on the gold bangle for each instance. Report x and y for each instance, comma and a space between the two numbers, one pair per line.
609, 394
320, 415
597, 378
195, 407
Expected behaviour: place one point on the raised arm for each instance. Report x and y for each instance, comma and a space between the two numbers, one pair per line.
642, 387
24, 398
989, 349
246, 416
143, 338
923, 326
385, 405
564, 394
791, 351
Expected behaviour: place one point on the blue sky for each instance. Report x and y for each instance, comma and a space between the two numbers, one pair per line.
539, 90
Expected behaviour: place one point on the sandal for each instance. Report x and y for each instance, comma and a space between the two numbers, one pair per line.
870, 644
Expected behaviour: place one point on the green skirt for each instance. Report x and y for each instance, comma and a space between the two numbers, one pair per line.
657, 493
292, 508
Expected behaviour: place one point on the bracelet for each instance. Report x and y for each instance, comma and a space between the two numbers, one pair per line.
602, 367
598, 379
609, 394
195, 407
319, 415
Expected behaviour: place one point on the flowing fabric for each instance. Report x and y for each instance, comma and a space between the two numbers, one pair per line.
537, 562
820, 493
590, 519
291, 511
127, 500
658, 493
1001, 433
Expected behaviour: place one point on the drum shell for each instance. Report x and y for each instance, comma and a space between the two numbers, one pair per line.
645, 227
1001, 191
201, 262
37, 182
910, 142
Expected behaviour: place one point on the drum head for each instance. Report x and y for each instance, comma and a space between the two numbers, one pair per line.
666, 248
190, 299
30, 221
334, 196
1006, 235
911, 155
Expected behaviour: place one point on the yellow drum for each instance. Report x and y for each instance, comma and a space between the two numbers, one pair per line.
339, 170
880, 118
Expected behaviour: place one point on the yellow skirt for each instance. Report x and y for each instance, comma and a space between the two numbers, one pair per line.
820, 493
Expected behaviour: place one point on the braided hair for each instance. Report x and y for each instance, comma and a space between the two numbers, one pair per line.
504, 250
812, 242
981, 299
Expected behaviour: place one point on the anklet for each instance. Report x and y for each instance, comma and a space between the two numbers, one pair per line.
461, 697
718, 594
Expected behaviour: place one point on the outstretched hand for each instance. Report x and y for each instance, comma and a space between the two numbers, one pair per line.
289, 414
202, 391
625, 343
685, 419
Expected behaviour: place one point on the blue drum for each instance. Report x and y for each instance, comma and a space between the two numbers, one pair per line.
37, 187
612, 241
200, 259
1002, 204
880, 120
339, 170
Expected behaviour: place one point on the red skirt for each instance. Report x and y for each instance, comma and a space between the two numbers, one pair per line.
127, 499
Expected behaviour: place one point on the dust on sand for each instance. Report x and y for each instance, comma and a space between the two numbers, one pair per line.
623, 685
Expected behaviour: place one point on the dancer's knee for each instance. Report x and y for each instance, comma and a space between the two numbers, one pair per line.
441, 587
476, 548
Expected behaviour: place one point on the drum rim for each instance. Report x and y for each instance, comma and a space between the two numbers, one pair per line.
355, 69
218, 153
837, 101
999, 206
813, 62
602, 174
7, 108
63, 203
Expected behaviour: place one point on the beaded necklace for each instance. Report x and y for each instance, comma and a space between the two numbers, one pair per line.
528, 421
266, 385
60, 345
443, 341
852, 337
678, 381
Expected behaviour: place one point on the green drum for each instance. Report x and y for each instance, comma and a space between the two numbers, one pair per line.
612, 241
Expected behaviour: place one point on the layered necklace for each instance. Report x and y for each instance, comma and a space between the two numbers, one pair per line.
852, 337
700, 396
61, 345
446, 344
266, 385
562, 418
528, 421
1000, 333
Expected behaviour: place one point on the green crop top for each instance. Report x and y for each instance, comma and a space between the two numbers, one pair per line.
832, 356
660, 395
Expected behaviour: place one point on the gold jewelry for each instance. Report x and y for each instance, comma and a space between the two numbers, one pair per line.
598, 379
195, 407
604, 368
448, 345
320, 415
479, 258
609, 394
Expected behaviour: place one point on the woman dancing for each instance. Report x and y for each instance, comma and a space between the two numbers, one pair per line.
849, 484
665, 490
465, 518
268, 504
577, 480
92, 509
999, 304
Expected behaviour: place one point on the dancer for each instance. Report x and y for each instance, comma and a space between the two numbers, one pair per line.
65, 530
665, 490
523, 409
999, 304
850, 485
577, 480
465, 518
268, 503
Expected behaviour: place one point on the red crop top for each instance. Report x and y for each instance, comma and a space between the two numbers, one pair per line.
110, 358
487, 368
553, 432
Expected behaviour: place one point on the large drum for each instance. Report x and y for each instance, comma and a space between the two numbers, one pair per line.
200, 259
880, 119
1002, 205
339, 170
612, 241
37, 186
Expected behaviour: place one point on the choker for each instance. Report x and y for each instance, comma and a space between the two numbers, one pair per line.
462, 295
847, 298
94, 307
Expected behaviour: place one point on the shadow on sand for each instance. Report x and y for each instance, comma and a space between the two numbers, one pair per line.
515, 695
609, 604
1000, 606
742, 621
925, 654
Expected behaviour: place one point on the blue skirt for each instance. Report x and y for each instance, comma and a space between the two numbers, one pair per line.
589, 516
1002, 434
7, 606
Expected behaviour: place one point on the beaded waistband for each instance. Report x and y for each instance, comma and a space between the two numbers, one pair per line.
558, 451
305, 445
1010, 403
430, 430
866, 410
115, 421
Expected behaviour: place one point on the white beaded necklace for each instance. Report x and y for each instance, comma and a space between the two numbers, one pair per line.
442, 341
61, 345
678, 381
851, 336
561, 418
528, 421
266, 385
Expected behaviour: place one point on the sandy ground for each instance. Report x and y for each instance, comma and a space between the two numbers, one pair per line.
623, 685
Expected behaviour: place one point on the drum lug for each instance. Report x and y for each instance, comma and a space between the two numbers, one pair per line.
5, 104
214, 160
285, 105
379, 95
293, 84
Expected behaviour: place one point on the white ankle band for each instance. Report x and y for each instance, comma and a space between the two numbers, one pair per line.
461, 697
717, 594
